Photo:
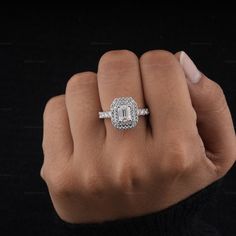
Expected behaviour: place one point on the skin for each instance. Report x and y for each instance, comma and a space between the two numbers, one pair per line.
96, 173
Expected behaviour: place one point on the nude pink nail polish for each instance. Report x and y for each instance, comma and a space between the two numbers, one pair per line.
190, 69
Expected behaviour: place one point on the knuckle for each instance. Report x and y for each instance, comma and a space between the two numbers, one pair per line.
157, 57
42, 173
53, 105
222, 164
177, 160
94, 185
217, 97
117, 55
180, 163
217, 88
117, 60
80, 79
59, 182
44, 146
128, 178
216, 101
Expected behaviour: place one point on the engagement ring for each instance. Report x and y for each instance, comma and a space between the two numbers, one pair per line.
124, 113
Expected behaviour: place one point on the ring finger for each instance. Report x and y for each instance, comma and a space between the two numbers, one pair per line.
119, 76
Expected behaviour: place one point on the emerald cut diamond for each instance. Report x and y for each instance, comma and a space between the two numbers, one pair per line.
124, 113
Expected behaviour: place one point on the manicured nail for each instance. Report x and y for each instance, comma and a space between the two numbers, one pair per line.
190, 70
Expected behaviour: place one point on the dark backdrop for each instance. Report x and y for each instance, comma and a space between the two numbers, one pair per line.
41, 48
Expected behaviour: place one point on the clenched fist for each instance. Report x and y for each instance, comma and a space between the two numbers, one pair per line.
95, 172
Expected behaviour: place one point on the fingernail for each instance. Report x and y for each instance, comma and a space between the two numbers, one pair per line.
190, 69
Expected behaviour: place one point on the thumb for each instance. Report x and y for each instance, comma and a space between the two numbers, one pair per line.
214, 120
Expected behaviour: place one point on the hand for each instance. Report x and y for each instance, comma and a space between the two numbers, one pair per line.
95, 172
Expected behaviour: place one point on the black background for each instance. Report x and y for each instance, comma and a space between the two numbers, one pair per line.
40, 49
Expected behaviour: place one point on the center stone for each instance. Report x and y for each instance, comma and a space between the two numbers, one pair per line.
124, 113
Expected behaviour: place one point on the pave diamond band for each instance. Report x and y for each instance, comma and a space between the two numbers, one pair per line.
124, 113
107, 114
104, 114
